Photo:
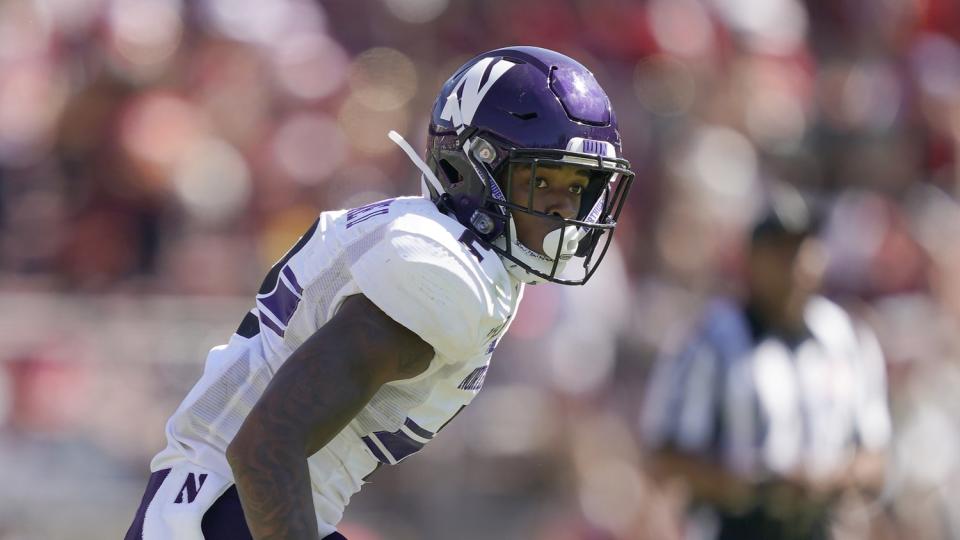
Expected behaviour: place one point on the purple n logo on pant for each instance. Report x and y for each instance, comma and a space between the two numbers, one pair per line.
191, 487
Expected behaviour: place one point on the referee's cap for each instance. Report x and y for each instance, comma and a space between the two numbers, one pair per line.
785, 215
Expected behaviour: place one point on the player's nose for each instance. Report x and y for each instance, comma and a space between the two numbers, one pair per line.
561, 203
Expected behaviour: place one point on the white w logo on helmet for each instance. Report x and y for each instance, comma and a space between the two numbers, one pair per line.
460, 111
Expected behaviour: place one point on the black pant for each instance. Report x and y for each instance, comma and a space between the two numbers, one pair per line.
760, 524
223, 521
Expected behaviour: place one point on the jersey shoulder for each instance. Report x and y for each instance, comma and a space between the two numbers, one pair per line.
412, 222
423, 269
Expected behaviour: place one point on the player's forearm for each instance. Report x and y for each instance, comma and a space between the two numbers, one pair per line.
269, 454
317, 391
269, 460
310, 399
273, 483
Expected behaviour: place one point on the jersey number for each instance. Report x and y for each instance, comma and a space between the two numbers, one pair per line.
279, 294
281, 302
363, 213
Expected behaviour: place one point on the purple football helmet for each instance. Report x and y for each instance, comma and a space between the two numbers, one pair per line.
530, 107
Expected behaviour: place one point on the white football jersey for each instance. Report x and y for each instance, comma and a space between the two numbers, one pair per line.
424, 270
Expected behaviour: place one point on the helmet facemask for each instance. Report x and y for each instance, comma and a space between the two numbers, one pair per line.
570, 239
529, 107
486, 205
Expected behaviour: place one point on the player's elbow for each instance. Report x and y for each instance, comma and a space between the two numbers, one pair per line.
254, 434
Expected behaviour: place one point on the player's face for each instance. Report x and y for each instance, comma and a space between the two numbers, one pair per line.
556, 190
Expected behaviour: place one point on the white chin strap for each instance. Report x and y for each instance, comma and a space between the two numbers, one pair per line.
427, 175
536, 261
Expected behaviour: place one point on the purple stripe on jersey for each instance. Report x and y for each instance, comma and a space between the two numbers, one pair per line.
375, 449
360, 210
136, 528
271, 325
367, 216
399, 444
281, 303
419, 431
250, 326
363, 213
273, 275
474, 381
292, 278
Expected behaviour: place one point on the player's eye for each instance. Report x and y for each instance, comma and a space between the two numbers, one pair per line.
541, 183
576, 189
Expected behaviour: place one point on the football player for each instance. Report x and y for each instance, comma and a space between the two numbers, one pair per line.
377, 327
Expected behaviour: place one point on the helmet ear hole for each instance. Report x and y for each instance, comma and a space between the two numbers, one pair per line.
451, 172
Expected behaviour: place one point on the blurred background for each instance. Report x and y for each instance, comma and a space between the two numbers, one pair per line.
156, 157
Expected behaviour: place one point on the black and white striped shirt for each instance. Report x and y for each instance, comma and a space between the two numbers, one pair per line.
759, 406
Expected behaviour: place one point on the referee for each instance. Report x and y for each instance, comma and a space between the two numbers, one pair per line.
776, 404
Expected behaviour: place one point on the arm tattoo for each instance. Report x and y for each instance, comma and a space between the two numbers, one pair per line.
322, 386
270, 466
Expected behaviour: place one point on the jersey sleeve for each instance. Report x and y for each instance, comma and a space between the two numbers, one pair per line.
421, 277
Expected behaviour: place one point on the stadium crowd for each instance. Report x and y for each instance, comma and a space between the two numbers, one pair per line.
156, 157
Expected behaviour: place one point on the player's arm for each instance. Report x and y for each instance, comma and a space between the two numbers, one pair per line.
321, 387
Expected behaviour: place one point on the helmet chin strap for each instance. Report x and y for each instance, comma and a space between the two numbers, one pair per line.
428, 175
534, 260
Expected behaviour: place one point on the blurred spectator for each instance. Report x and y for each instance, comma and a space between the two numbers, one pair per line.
777, 405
